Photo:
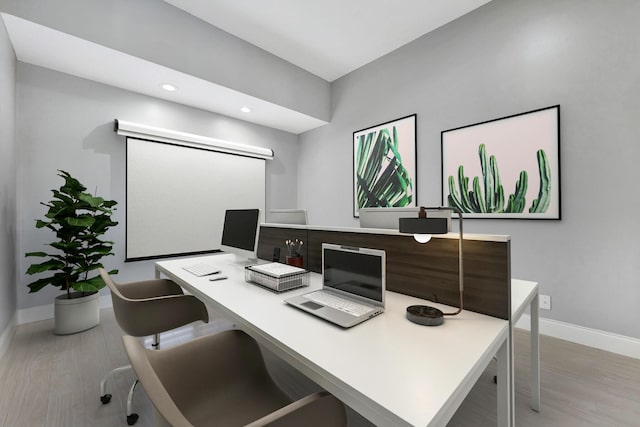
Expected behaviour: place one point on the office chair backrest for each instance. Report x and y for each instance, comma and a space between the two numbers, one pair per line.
152, 306
222, 379
121, 305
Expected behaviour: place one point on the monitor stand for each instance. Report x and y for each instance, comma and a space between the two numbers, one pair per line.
241, 261
250, 261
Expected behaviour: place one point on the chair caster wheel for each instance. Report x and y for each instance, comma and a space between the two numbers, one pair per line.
131, 419
105, 399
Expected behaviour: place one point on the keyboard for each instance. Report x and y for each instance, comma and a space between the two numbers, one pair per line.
338, 303
202, 269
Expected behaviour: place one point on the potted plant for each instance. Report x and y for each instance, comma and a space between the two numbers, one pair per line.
78, 220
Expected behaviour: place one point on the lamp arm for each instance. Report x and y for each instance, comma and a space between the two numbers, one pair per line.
422, 214
460, 262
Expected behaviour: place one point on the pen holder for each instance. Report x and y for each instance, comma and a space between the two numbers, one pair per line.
294, 260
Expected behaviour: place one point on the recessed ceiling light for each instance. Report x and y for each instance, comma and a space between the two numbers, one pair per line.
168, 86
245, 109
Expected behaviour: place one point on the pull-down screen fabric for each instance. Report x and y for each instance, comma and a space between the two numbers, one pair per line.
177, 196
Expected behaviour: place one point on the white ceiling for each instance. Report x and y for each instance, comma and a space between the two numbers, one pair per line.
45, 47
309, 34
328, 38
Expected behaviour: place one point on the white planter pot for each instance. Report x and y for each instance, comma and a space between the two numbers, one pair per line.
76, 314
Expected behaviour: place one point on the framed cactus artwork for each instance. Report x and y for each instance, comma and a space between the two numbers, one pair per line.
384, 165
504, 168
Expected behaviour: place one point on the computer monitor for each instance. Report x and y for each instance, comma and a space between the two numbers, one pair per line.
288, 216
240, 232
390, 217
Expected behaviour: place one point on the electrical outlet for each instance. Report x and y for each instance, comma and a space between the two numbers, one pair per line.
545, 302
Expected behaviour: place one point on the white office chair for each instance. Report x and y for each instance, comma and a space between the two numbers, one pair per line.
222, 380
148, 308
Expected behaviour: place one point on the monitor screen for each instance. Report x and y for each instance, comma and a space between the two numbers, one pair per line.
355, 272
240, 231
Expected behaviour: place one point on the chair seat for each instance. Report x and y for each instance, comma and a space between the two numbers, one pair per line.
231, 408
215, 378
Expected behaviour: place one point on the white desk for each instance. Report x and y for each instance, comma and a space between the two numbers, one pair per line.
391, 371
523, 294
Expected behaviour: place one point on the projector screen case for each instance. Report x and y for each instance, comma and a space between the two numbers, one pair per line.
141, 131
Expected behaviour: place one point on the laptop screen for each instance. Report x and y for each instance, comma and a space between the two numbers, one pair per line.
356, 271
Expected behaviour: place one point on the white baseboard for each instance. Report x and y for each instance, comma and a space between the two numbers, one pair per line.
614, 343
7, 335
44, 312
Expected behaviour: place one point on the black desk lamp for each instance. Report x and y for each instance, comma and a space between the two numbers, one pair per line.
422, 228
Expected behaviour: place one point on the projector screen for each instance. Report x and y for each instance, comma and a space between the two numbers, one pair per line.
177, 197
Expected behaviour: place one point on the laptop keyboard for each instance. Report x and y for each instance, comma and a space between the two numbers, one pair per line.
338, 303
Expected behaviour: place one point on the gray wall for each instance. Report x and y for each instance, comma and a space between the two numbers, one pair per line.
505, 58
7, 180
160, 33
65, 122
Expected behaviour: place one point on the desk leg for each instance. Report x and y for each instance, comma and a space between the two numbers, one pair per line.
506, 416
535, 355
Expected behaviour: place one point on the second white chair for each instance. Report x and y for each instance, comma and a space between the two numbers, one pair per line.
146, 308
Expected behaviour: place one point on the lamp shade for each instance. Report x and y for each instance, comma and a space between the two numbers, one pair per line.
424, 225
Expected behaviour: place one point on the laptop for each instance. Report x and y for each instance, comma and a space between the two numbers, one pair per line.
353, 286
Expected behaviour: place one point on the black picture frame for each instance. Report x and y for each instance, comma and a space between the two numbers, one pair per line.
506, 168
385, 165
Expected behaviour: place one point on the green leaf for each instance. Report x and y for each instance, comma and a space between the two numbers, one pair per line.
541, 203
89, 285
40, 223
71, 185
65, 246
64, 199
91, 200
40, 254
102, 223
39, 284
45, 266
58, 280
109, 204
83, 221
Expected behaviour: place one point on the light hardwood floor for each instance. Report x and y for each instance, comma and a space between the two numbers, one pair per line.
53, 381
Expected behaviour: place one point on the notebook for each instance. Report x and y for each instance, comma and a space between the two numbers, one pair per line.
353, 286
